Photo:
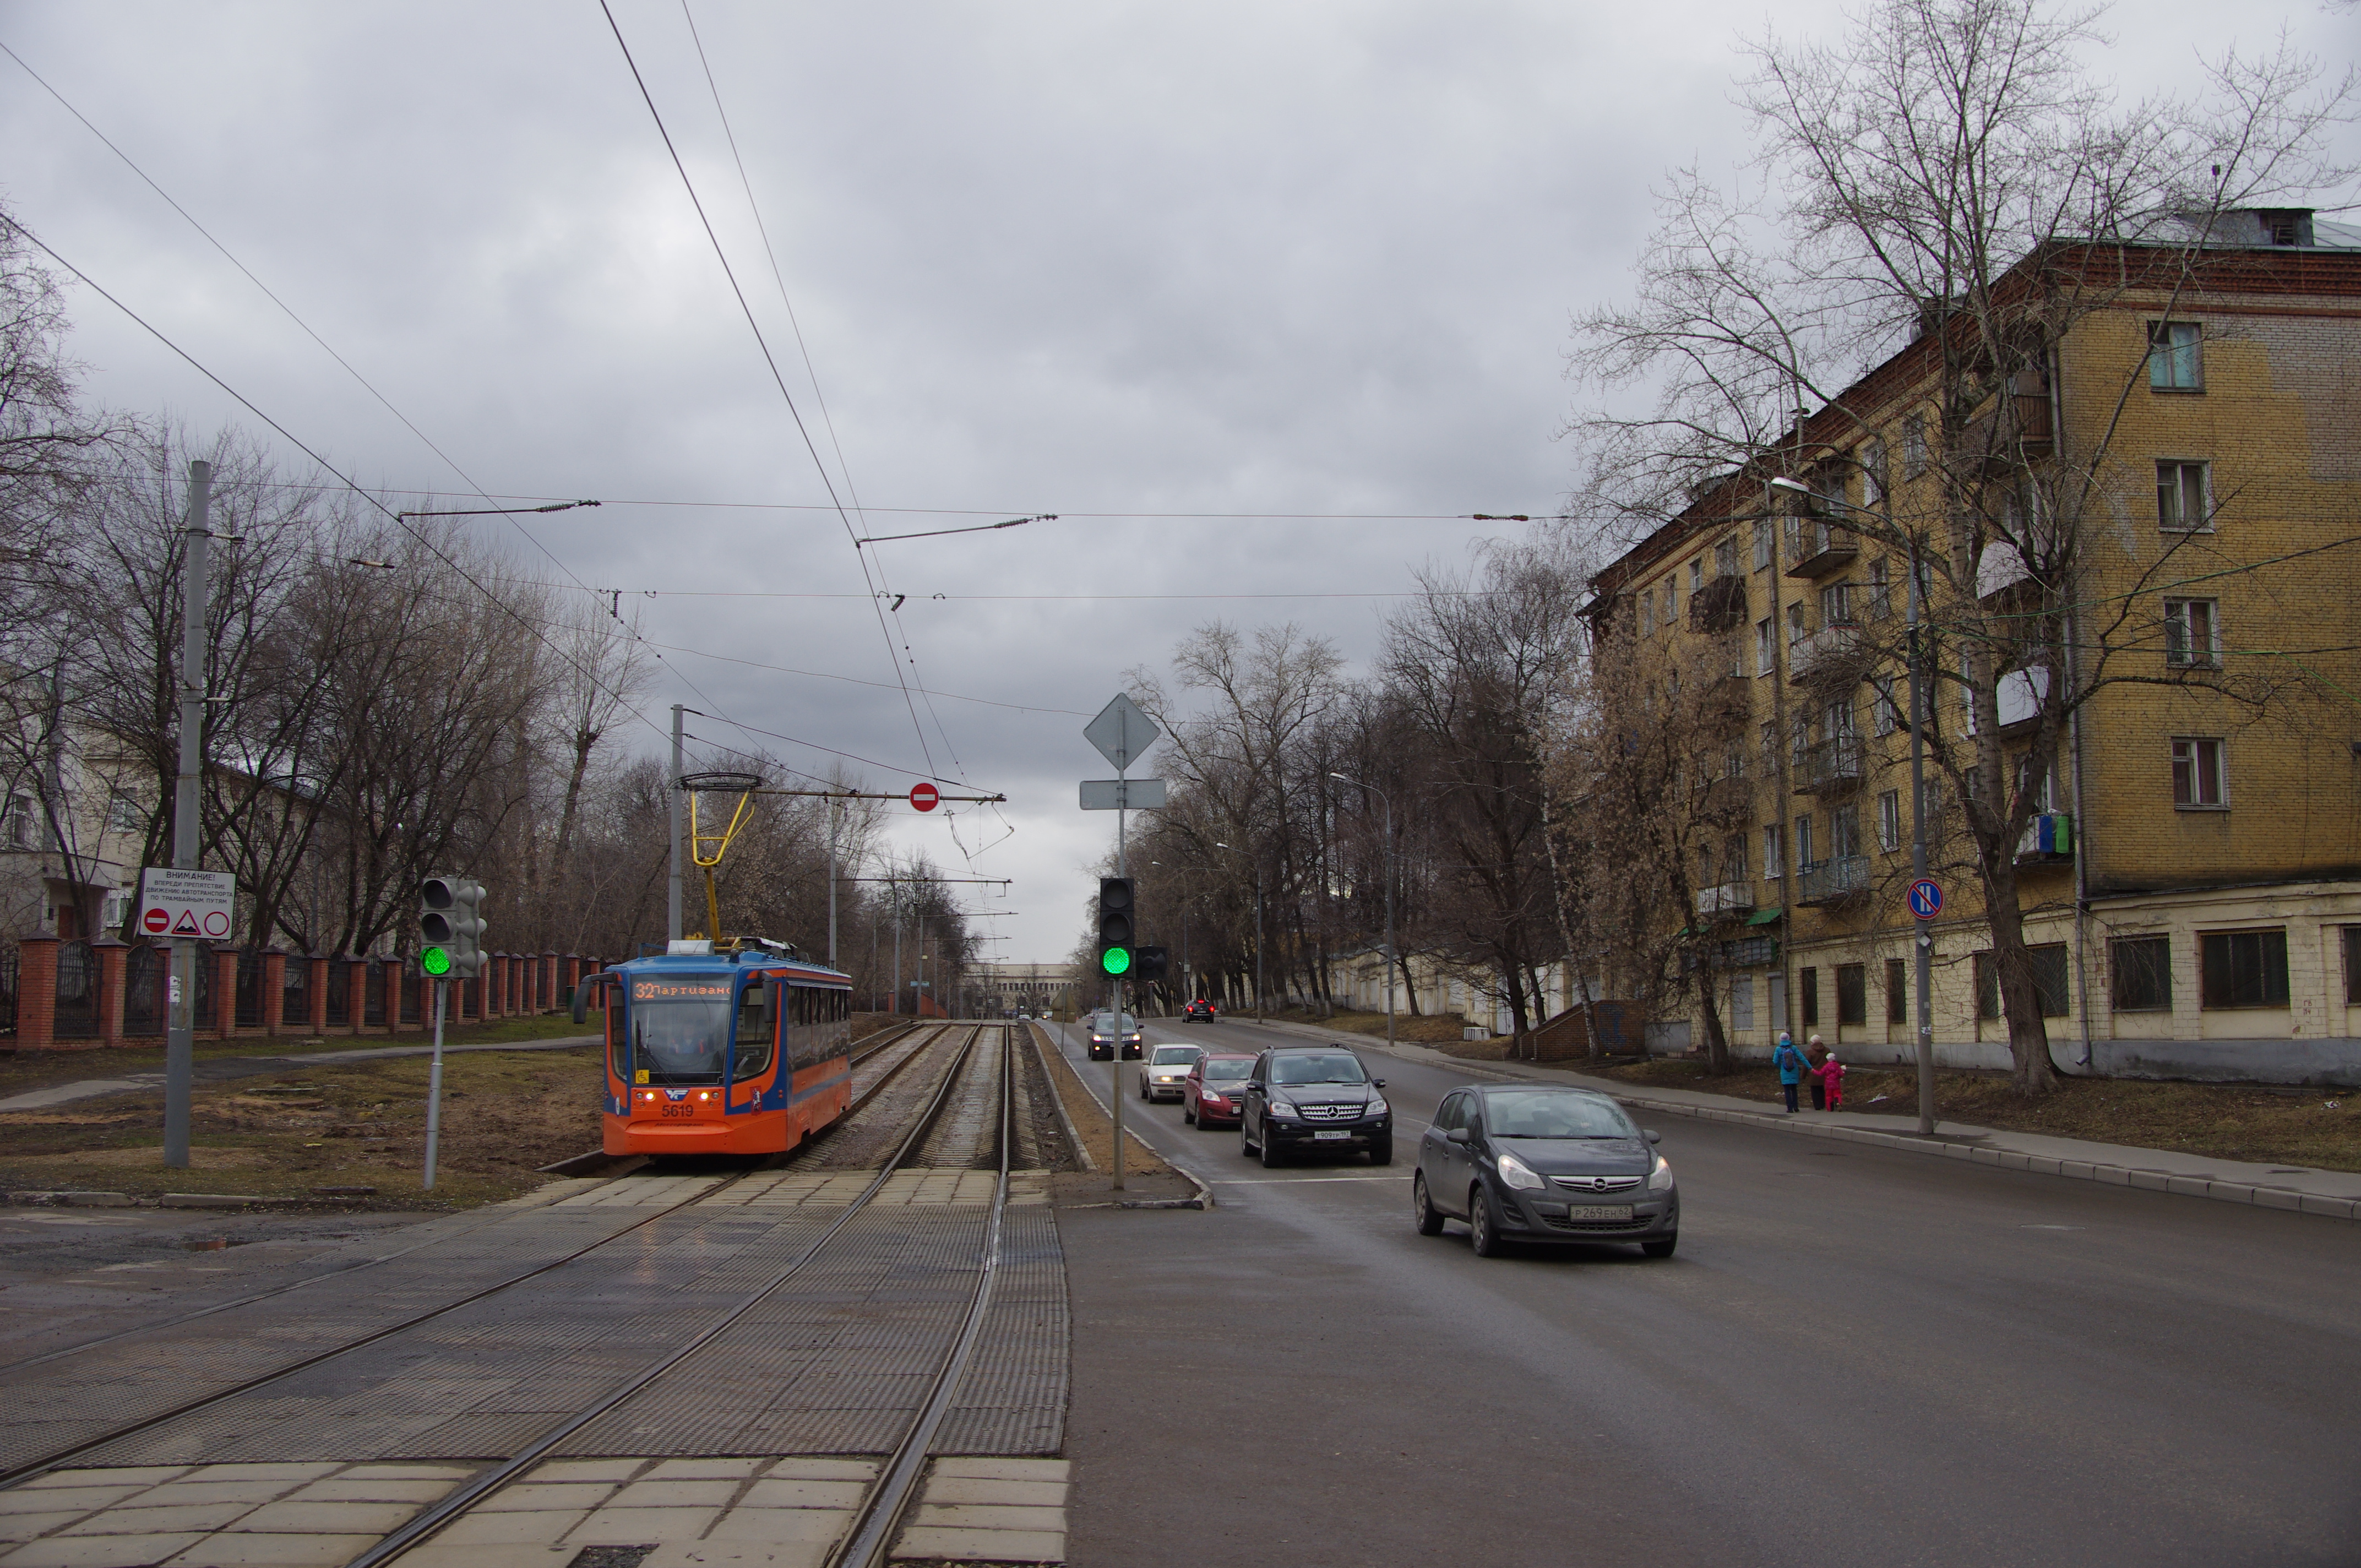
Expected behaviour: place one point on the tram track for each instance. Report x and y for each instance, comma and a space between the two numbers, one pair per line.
913, 1035
918, 1036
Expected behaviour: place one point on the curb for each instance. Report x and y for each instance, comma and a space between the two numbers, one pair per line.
2145, 1178
1204, 1198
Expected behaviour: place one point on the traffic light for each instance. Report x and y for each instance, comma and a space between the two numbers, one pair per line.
1150, 965
1115, 926
451, 926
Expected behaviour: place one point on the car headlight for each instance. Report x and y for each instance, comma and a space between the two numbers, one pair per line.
1282, 1108
1660, 1180
1375, 1108
1516, 1173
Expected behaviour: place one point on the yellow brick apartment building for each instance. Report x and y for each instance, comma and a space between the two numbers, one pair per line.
2191, 879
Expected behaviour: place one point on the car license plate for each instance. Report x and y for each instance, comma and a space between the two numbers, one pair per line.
1324, 1135
1599, 1211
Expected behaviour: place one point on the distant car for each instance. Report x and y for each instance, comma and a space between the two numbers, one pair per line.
1314, 1098
1201, 1008
1167, 1069
1107, 1029
1021, 1013
1214, 1092
1544, 1163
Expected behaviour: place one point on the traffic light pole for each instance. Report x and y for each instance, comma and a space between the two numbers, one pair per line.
180, 1035
1115, 1093
434, 1088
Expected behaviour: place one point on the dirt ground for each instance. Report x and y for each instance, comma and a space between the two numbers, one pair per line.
350, 1132
1094, 1127
21, 1070
1437, 1029
2313, 1128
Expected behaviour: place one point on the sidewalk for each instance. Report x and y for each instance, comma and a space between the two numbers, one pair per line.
221, 1069
2335, 1193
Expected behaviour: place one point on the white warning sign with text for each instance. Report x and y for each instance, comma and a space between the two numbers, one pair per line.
187, 904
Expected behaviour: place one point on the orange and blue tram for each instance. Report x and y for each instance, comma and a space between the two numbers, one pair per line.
738, 1047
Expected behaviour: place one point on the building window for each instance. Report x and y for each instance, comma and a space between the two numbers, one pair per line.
1672, 602
1987, 985
2242, 969
2142, 981
2192, 633
1764, 653
1647, 614
1872, 473
1770, 746
1852, 994
1696, 576
124, 816
1844, 832
1889, 820
1897, 992
2049, 965
1762, 545
2175, 362
1774, 857
1794, 623
1742, 1002
1792, 538
1799, 740
2198, 783
1734, 859
1883, 718
1881, 590
1914, 443
1838, 605
1733, 761
17, 822
2352, 965
2184, 501
1807, 987
1803, 841
1724, 557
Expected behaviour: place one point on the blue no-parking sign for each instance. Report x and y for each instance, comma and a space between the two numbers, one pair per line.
1926, 899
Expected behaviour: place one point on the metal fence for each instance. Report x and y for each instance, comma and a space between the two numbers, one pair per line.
77, 1007
146, 972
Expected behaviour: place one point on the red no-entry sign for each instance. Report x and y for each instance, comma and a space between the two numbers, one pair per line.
156, 920
924, 796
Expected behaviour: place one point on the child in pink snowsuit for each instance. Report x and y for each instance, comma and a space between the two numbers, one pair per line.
1831, 1073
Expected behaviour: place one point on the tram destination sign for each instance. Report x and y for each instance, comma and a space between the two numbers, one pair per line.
192, 905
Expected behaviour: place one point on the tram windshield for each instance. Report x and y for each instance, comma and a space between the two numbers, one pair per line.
680, 1027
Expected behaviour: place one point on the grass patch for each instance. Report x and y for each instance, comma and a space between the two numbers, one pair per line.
335, 1124
21, 1070
2313, 1128
1430, 1029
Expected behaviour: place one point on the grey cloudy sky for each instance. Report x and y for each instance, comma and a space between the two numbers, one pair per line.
1074, 259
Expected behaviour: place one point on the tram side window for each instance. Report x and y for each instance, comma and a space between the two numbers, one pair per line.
618, 1044
754, 1041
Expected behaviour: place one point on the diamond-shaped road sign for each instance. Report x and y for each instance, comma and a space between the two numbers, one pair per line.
1122, 732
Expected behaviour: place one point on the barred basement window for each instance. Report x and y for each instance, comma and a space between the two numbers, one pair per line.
2352, 965
1987, 984
1897, 992
2143, 973
1807, 987
1852, 994
2242, 969
2048, 963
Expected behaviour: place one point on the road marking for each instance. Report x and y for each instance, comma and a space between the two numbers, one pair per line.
1295, 1180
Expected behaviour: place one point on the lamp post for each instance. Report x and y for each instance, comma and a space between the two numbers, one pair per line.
1257, 879
1389, 800
1925, 944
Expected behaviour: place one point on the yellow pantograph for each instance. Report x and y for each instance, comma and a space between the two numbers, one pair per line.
706, 848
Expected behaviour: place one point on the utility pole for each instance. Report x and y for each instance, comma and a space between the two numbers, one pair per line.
894, 892
671, 897
831, 882
180, 1040
1924, 944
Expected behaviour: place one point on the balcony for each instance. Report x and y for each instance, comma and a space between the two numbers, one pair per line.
1730, 898
1831, 768
1826, 548
2047, 839
1719, 605
1837, 880
2019, 695
2015, 430
1837, 655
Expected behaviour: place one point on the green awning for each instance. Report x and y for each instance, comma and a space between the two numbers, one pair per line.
1765, 917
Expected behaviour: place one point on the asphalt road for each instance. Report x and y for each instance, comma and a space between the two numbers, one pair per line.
1857, 1357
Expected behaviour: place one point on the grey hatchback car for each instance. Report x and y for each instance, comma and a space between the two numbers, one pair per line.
1544, 1163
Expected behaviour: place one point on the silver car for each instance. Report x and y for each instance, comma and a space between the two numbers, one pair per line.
1166, 1071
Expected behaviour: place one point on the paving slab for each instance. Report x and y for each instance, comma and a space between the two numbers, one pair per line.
927, 1541
635, 1527
99, 1552
274, 1551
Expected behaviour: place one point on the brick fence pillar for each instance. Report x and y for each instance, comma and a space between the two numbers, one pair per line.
569, 976
316, 993
545, 983
274, 994
112, 958
225, 962
37, 992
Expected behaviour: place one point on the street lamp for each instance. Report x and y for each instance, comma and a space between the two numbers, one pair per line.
1257, 875
1381, 795
1926, 942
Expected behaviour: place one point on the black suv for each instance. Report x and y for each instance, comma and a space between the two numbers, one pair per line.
1314, 1098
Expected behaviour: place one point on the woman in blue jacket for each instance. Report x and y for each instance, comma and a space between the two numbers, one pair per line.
1791, 1065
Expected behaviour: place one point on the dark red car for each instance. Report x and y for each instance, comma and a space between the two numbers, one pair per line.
1213, 1095
1201, 1008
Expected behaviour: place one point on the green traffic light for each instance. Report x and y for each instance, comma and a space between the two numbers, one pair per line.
1115, 960
436, 961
